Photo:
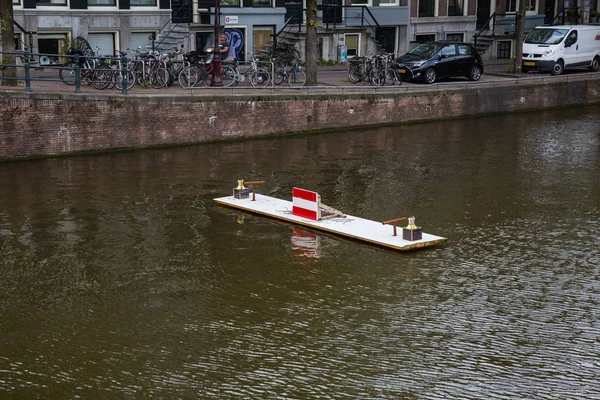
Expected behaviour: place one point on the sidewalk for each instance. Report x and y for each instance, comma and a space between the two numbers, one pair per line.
328, 77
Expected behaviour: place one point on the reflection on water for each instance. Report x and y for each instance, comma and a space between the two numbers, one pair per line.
119, 277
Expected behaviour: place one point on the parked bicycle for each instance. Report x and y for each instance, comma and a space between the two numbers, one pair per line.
257, 76
118, 73
92, 70
292, 75
371, 69
200, 70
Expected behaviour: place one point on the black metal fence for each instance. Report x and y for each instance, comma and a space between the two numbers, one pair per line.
72, 69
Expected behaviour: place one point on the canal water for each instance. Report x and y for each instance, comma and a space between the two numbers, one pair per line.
120, 277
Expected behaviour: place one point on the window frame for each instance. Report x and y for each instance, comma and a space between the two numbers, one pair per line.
426, 34
48, 3
239, 4
394, 3
528, 10
131, 4
434, 11
368, 3
358, 43
462, 8
462, 37
92, 6
270, 5
509, 50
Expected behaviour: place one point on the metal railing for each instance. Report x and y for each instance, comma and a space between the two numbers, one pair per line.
81, 68
489, 26
365, 19
569, 15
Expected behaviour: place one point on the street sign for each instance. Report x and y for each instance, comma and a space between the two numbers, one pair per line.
231, 19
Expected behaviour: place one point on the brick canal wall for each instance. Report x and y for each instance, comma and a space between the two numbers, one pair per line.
42, 124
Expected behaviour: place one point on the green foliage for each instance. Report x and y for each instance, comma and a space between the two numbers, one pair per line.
3, 26
321, 62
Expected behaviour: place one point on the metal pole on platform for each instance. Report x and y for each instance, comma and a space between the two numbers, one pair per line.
27, 72
216, 78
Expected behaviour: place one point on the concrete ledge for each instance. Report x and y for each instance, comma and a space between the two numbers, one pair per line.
49, 124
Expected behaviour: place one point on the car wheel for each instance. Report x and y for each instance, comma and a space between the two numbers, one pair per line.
475, 73
430, 76
559, 67
595, 64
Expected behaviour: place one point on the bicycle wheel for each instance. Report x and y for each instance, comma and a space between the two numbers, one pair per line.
159, 78
390, 76
260, 78
67, 73
188, 77
280, 76
296, 78
118, 79
354, 74
102, 78
228, 75
377, 77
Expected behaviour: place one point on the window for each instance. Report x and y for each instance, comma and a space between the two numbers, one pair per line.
360, 2
52, 45
448, 51
455, 7
230, 3
261, 36
105, 42
513, 5
352, 42
51, 2
426, 8
571, 39
455, 37
261, 3
102, 3
464, 50
388, 3
425, 38
141, 40
143, 3
18, 45
503, 49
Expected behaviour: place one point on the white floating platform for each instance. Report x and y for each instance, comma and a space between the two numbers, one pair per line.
352, 227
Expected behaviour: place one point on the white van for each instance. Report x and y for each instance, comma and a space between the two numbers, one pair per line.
556, 48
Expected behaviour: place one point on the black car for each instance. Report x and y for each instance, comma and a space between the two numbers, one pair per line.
433, 60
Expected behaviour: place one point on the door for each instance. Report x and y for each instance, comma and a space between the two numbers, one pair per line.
261, 36
447, 64
332, 11
571, 51
386, 38
293, 11
181, 11
464, 59
483, 14
548, 12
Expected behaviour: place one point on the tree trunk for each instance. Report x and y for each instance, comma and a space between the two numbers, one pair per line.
519, 34
311, 43
7, 29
